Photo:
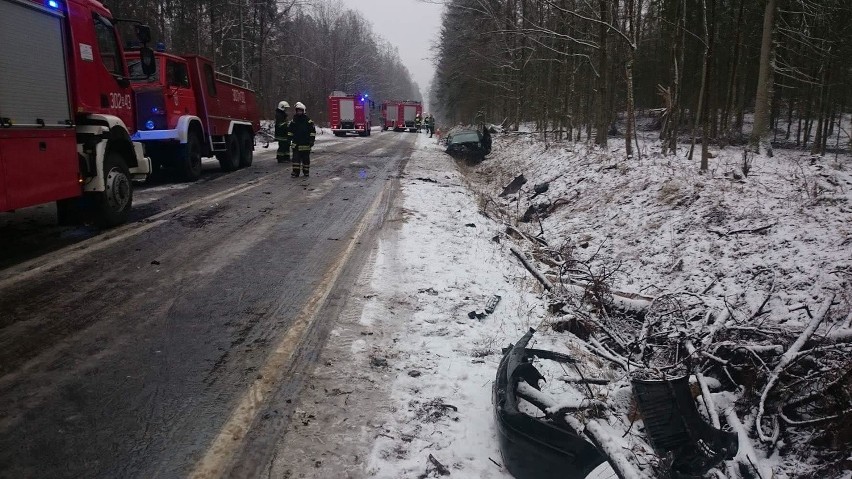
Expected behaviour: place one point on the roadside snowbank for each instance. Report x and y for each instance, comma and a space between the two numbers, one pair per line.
654, 226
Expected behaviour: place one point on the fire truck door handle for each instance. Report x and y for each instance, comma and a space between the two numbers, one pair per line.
104, 101
42, 146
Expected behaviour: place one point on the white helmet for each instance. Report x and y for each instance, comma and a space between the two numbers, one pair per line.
283, 105
300, 106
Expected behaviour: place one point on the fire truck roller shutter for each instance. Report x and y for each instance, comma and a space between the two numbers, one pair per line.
347, 110
33, 76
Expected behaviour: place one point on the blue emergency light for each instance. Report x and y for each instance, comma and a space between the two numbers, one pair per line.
52, 4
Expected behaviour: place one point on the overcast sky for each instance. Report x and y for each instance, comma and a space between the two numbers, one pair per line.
411, 25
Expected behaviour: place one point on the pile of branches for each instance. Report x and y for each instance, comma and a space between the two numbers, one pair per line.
783, 390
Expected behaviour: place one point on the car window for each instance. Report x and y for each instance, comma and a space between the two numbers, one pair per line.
176, 74
137, 75
211, 80
465, 137
107, 45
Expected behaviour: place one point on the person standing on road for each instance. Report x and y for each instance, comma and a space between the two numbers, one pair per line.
281, 136
430, 125
302, 133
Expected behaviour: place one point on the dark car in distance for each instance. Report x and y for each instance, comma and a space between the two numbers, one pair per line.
468, 144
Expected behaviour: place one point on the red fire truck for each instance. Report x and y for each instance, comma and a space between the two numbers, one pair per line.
391, 114
400, 115
188, 111
67, 110
349, 114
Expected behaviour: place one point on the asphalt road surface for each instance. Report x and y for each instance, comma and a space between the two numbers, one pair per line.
175, 345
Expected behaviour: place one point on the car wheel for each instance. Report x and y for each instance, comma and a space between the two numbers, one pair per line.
229, 160
189, 166
115, 201
246, 149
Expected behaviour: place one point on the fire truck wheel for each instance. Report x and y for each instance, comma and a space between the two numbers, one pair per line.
189, 165
229, 160
115, 201
246, 149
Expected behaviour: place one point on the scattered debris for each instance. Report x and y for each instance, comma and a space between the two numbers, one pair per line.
514, 186
378, 362
430, 291
470, 225
540, 188
414, 373
492, 303
155, 262
427, 180
490, 306
442, 469
535, 447
673, 425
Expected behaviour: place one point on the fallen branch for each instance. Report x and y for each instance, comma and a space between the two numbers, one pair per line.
806, 422
570, 380
788, 357
512, 229
840, 336
736, 232
616, 458
709, 404
538, 275
746, 454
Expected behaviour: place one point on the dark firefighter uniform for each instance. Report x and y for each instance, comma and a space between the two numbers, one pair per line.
282, 137
302, 134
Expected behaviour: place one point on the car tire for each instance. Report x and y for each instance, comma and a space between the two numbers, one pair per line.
246, 149
189, 162
229, 160
114, 203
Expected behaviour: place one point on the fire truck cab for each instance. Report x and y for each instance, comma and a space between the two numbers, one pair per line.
66, 110
188, 111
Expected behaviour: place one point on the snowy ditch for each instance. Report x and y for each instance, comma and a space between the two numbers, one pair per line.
738, 286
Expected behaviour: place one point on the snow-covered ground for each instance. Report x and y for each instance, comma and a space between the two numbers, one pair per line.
424, 368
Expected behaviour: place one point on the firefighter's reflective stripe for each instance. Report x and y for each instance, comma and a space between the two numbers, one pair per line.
303, 147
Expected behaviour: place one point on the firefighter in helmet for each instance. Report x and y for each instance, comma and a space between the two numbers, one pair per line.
417, 122
430, 125
302, 133
281, 136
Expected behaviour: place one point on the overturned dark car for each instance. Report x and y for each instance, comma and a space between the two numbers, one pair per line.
469, 144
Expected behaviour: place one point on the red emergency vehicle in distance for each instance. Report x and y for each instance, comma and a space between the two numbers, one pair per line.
349, 114
188, 111
400, 115
391, 114
66, 110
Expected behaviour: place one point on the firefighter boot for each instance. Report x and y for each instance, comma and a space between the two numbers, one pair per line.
297, 168
306, 170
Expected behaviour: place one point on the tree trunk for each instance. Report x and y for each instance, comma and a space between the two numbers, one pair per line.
735, 61
763, 97
603, 67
